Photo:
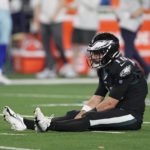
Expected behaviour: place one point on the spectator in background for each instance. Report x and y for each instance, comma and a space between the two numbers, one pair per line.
48, 17
86, 23
5, 32
21, 15
129, 14
105, 2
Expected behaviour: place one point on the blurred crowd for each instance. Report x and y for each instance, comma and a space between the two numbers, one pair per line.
43, 21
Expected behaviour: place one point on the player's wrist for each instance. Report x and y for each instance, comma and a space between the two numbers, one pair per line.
86, 108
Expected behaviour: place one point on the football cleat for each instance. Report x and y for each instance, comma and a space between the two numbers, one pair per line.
4, 80
67, 71
45, 74
41, 122
15, 120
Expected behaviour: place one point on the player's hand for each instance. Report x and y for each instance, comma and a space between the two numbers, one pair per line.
80, 114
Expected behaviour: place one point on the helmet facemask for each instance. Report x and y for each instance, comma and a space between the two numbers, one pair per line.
95, 59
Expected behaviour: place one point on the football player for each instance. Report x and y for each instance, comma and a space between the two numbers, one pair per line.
117, 104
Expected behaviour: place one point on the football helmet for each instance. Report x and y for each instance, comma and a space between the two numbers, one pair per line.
102, 50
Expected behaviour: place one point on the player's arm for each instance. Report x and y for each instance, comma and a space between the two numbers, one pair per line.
36, 5
138, 12
97, 98
143, 9
91, 104
106, 104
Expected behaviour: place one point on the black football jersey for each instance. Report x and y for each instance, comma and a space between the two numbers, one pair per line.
122, 80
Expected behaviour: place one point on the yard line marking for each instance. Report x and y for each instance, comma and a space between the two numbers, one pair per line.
146, 122
42, 96
11, 134
147, 101
25, 116
60, 105
101, 147
15, 148
112, 132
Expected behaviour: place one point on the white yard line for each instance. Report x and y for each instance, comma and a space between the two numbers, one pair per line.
34, 95
147, 101
60, 105
25, 116
146, 122
113, 132
15, 148
13, 134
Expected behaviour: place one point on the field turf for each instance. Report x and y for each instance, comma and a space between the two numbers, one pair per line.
24, 99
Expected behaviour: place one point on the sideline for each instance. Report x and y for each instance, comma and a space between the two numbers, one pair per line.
54, 81
57, 81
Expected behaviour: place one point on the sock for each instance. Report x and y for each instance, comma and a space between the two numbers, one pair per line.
3, 48
29, 124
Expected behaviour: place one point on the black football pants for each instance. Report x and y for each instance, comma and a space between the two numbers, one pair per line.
114, 119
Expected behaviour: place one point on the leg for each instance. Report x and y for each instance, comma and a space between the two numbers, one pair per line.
30, 124
48, 123
128, 43
70, 125
69, 115
115, 119
5, 32
3, 49
46, 34
57, 35
130, 50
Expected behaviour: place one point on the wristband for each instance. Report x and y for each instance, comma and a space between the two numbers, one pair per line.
86, 108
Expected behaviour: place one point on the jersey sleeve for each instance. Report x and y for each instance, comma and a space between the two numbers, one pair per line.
101, 90
122, 79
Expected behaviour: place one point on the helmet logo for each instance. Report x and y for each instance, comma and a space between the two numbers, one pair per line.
100, 44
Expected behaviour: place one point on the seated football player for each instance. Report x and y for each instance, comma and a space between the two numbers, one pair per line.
117, 104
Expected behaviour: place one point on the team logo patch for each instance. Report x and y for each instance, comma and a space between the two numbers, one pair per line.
126, 71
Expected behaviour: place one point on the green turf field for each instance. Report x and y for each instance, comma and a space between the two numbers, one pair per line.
23, 99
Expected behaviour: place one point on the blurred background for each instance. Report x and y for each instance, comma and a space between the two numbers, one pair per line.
26, 55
